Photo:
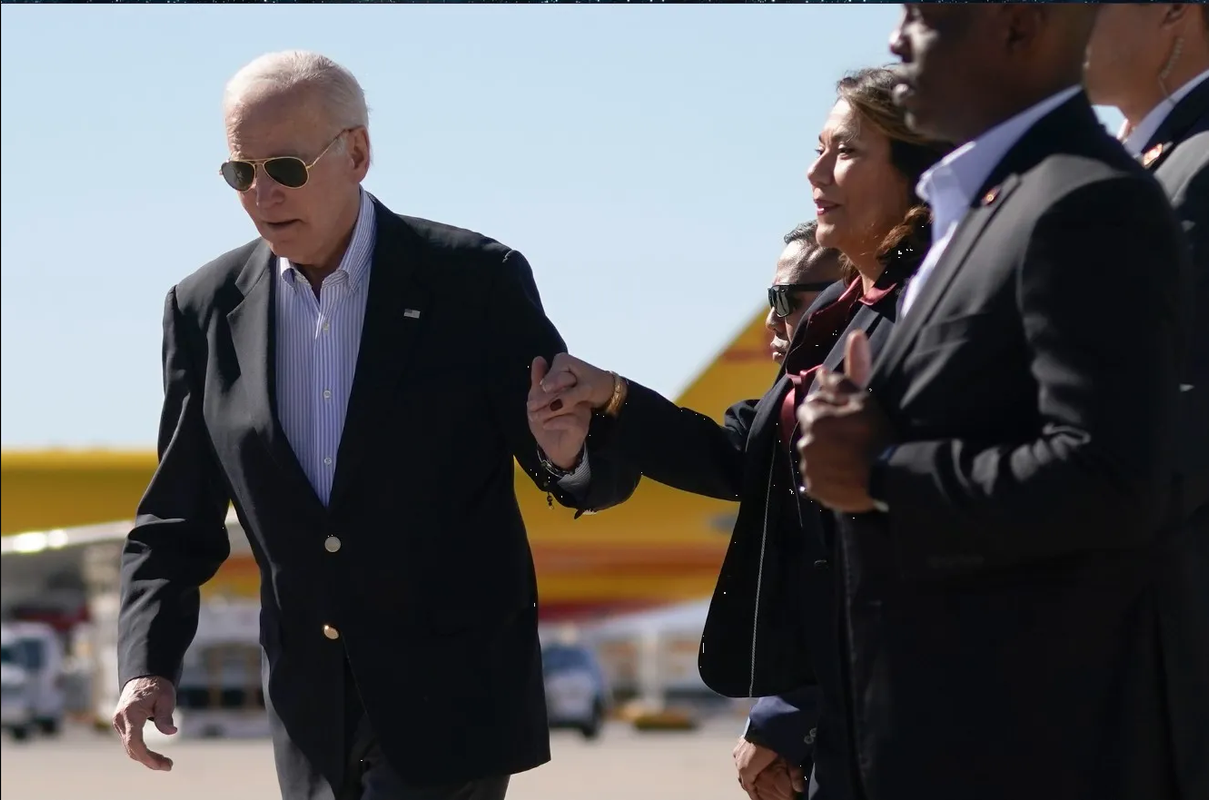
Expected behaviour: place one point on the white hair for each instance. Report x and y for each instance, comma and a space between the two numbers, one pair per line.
342, 97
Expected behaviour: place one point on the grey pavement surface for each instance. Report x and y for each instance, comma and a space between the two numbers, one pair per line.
622, 765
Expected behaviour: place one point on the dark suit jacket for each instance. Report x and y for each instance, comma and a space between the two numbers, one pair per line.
771, 624
1181, 164
432, 591
1004, 639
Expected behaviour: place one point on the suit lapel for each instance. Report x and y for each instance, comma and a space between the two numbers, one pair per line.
968, 232
394, 316
865, 319
768, 410
868, 319
1072, 128
253, 334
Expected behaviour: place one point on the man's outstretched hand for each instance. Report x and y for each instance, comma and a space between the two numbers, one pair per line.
151, 698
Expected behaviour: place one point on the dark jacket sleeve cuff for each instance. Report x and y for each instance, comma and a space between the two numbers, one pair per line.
785, 725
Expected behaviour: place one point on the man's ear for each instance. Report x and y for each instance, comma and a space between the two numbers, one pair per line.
1176, 14
1022, 24
358, 149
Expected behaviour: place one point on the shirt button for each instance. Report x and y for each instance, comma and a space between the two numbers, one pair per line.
331, 632
331, 544
327, 326
327, 394
327, 460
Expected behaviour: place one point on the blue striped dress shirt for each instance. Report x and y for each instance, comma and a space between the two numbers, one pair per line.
318, 339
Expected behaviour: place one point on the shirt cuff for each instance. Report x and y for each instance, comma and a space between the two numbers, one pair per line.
578, 477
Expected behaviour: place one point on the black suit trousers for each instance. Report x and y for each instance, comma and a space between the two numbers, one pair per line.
369, 777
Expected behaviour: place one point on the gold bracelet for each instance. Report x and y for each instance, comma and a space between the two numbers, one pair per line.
620, 387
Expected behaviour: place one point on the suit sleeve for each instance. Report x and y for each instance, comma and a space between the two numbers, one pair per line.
519, 331
179, 540
786, 724
1099, 297
681, 448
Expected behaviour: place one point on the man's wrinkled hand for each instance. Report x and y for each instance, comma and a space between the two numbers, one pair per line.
562, 432
763, 774
842, 430
779, 781
142, 699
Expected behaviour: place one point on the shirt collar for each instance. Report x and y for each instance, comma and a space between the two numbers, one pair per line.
1136, 139
951, 185
358, 255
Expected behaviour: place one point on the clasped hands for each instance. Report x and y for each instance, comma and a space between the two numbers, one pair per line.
842, 430
764, 775
562, 396
841, 426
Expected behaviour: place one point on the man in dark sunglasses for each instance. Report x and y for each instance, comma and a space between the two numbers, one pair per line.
804, 270
316, 378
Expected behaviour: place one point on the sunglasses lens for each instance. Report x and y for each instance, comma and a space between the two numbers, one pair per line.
238, 175
289, 172
781, 302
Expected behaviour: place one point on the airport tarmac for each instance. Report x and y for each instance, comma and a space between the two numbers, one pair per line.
623, 763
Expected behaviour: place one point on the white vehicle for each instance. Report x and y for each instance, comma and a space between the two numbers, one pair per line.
219, 694
16, 711
39, 650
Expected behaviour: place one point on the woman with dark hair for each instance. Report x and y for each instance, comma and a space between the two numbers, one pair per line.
866, 149
772, 627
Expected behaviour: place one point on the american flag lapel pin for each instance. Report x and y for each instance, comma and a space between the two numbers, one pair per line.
411, 313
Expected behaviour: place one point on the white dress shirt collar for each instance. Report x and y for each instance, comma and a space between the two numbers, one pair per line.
1135, 140
951, 185
357, 257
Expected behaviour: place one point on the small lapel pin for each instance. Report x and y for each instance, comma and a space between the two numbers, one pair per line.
990, 196
1152, 155
411, 313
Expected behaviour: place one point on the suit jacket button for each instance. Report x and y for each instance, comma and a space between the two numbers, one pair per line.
822, 563
331, 544
331, 632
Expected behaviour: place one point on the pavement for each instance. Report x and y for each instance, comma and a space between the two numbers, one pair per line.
623, 764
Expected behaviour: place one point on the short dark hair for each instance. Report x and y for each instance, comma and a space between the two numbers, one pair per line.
813, 253
805, 233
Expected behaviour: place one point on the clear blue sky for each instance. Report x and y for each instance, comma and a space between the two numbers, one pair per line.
646, 160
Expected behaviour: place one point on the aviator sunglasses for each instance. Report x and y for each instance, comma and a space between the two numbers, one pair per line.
289, 171
783, 297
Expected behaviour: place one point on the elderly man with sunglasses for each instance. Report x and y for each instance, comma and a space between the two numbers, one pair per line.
316, 379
